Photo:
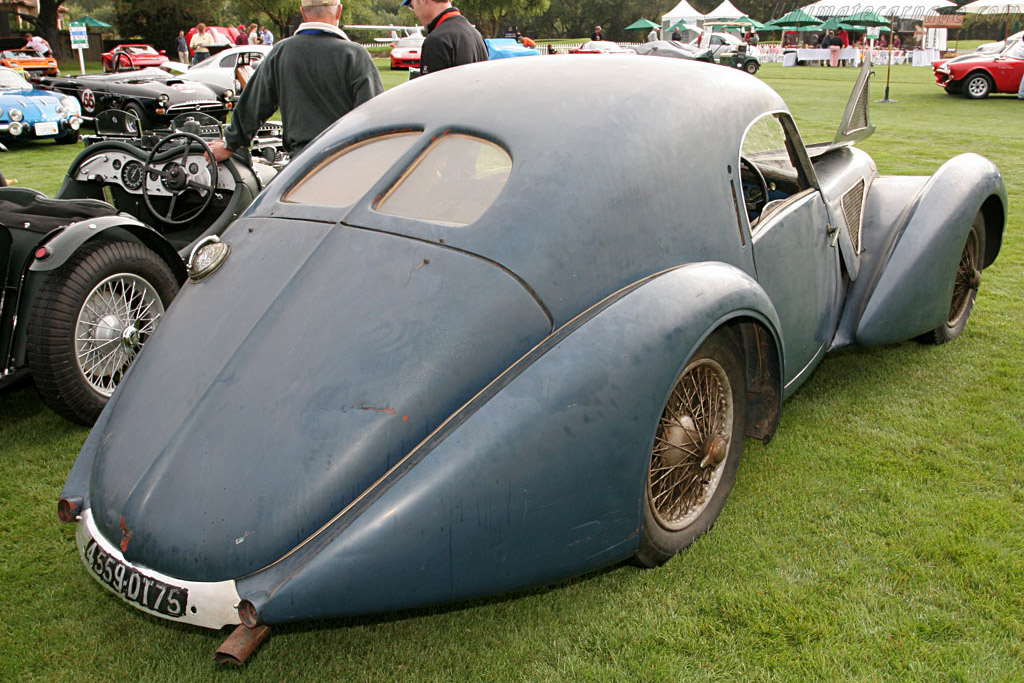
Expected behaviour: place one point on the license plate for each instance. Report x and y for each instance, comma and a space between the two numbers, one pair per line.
143, 590
46, 128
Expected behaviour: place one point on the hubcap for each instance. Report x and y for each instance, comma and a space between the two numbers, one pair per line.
116, 319
691, 446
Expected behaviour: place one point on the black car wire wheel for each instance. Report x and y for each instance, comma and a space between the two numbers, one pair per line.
118, 316
90, 319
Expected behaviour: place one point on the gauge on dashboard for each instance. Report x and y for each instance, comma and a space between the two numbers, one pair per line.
132, 175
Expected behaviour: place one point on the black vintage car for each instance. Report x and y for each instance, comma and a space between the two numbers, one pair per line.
88, 275
153, 95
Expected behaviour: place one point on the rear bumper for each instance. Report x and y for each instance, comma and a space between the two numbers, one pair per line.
207, 604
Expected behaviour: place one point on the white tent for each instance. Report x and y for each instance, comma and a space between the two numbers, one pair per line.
681, 11
726, 11
902, 9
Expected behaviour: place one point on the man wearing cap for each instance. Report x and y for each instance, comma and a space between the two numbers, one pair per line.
451, 39
314, 77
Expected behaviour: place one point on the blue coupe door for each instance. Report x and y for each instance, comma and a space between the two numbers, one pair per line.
795, 258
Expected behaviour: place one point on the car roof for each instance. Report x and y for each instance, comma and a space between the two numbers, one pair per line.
616, 152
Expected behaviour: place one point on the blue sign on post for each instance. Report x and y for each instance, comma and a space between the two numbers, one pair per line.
79, 41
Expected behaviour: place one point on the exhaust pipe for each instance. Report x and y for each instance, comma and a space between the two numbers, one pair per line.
242, 642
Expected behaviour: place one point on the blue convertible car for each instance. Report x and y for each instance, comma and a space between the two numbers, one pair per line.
28, 114
426, 365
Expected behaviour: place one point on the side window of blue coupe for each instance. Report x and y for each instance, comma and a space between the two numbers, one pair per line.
348, 175
772, 168
453, 182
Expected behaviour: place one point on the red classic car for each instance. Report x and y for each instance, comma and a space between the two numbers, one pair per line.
599, 47
30, 62
132, 56
978, 75
406, 53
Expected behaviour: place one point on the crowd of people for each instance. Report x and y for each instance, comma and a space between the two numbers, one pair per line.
203, 38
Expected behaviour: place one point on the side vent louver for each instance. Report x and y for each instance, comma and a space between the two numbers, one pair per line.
852, 203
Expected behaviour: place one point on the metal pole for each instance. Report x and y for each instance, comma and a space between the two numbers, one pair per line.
888, 71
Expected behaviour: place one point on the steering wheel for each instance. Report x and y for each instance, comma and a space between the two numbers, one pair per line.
180, 176
755, 188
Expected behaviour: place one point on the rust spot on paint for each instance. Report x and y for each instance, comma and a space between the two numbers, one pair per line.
126, 535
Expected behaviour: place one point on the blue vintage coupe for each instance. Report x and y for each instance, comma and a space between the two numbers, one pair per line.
27, 113
427, 365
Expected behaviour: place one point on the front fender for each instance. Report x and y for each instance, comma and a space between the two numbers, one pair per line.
66, 242
537, 478
916, 266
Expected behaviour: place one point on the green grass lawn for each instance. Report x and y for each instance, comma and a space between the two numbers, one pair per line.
879, 536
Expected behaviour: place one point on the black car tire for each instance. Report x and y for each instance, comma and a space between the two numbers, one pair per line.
696, 453
751, 66
60, 309
69, 138
965, 287
977, 86
136, 108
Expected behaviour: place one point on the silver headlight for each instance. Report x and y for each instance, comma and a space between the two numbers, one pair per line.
15, 114
229, 94
162, 100
71, 105
1, 111
16, 128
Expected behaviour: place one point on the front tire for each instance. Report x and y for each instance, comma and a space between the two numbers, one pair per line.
751, 67
90, 320
965, 287
696, 450
136, 108
69, 138
977, 86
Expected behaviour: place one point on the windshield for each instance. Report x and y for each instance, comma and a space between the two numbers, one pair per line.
410, 42
12, 81
138, 49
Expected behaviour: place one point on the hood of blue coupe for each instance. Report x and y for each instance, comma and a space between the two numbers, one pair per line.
280, 389
34, 104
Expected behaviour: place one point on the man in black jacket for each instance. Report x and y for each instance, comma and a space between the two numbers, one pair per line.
451, 39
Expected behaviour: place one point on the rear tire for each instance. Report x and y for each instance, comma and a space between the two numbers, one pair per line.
90, 320
751, 67
965, 287
697, 448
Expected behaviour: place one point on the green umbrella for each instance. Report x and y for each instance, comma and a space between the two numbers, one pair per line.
867, 19
753, 23
833, 24
643, 23
89, 21
797, 17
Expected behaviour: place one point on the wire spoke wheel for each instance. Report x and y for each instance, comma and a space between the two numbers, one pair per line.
117, 318
696, 449
968, 274
965, 287
691, 445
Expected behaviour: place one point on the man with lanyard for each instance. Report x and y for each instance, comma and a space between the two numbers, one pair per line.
314, 77
451, 39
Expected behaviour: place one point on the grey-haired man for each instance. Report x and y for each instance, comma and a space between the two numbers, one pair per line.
314, 77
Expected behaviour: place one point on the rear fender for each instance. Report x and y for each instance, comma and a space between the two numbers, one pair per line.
913, 248
537, 478
66, 242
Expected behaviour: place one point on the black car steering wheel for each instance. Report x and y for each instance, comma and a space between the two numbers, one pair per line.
180, 176
755, 188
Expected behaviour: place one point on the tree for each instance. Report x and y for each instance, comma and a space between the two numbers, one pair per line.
158, 21
491, 16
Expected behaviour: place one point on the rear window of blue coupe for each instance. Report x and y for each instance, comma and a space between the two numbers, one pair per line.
453, 181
